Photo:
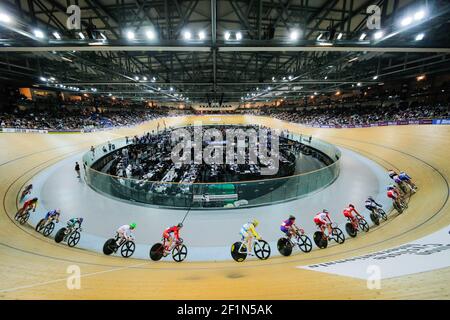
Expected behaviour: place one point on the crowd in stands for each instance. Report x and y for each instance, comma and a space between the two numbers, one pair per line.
360, 115
66, 120
88, 119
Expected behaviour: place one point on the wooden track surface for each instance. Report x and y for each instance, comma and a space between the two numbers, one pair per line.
32, 267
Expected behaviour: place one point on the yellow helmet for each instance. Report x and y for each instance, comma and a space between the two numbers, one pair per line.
255, 222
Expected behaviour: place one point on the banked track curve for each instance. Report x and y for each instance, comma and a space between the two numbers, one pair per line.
35, 267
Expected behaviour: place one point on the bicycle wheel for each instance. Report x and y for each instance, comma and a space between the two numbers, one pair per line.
284, 246
18, 214
375, 219
179, 253
60, 235
363, 225
398, 208
351, 231
156, 252
74, 238
24, 218
338, 235
238, 256
383, 214
304, 243
319, 240
48, 229
127, 249
109, 246
262, 249
40, 225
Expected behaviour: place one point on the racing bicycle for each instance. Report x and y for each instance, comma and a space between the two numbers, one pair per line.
321, 240
160, 250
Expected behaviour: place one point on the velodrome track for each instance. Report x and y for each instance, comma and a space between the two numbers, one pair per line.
32, 267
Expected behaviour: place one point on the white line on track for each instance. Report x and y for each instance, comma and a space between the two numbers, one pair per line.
65, 279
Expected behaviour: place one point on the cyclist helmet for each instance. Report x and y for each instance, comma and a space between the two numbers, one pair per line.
35, 199
352, 206
81, 220
58, 211
325, 211
180, 225
132, 225
392, 173
390, 187
291, 217
255, 222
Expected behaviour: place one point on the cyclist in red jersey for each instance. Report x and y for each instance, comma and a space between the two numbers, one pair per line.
323, 220
27, 206
176, 234
348, 214
394, 194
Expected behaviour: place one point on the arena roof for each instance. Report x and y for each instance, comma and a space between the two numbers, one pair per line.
232, 50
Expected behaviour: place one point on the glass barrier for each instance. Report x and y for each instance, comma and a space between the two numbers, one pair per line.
212, 195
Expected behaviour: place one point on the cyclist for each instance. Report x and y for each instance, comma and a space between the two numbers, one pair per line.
125, 232
26, 191
247, 232
168, 239
348, 214
372, 205
403, 176
392, 173
28, 205
322, 219
74, 222
289, 228
394, 194
52, 215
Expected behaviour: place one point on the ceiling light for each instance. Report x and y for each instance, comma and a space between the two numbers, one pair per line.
419, 15
375, 77
81, 35
362, 36
136, 78
5, 18
202, 35
319, 36
144, 78
43, 79
187, 35
359, 84
238, 35
378, 35
421, 77
130, 35
150, 34
339, 37
420, 37
326, 77
293, 35
325, 44
56, 35
38, 34
406, 21
227, 35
